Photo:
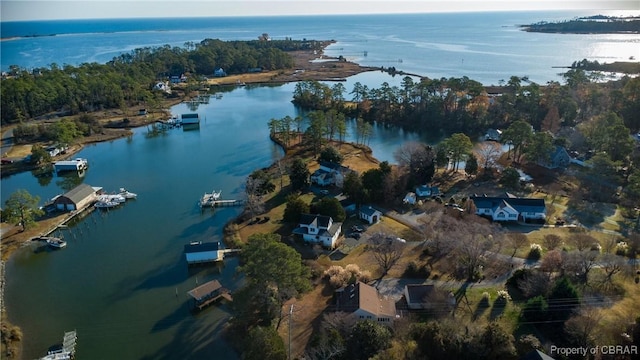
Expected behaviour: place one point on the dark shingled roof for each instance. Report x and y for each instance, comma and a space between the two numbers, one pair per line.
209, 246
190, 116
520, 204
419, 293
320, 221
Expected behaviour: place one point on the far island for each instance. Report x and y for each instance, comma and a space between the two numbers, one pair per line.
598, 24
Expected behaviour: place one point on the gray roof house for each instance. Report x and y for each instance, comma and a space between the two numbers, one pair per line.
559, 159
508, 208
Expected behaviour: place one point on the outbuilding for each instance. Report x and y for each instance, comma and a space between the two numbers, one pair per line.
77, 198
199, 252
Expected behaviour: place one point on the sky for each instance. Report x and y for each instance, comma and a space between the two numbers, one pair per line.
17, 10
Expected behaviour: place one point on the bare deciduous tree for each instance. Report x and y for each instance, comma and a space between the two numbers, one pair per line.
488, 153
517, 240
255, 202
581, 327
551, 241
386, 250
583, 241
534, 284
611, 264
580, 263
551, 262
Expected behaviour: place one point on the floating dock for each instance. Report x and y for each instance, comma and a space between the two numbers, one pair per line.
213, 200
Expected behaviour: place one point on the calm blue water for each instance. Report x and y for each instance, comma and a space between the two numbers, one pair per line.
486, 47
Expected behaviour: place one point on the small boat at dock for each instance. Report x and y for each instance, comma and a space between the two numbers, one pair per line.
116, 198
102, 204
127, 194
56, 243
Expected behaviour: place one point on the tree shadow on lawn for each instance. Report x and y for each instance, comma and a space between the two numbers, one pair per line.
589, 214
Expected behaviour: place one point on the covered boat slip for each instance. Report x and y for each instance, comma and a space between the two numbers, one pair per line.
208, 293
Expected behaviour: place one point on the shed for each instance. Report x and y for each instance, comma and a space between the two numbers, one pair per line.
197, 253
369, 214
76, 198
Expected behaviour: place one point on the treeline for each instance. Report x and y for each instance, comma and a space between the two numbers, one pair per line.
608, 26
127, 80
443, 106
618, 66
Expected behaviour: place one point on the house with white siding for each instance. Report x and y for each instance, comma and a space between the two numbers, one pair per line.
319, 229
510, 208
329, 174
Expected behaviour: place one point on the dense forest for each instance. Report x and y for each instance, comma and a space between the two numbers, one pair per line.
127, 80
590, 25
445, 106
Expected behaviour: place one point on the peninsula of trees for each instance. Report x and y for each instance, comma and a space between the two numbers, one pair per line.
598, 24
128, 79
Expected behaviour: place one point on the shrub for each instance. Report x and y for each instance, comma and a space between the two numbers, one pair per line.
535, 252
502, 298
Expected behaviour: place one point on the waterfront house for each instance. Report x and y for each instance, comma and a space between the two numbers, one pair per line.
365, 303
77, 198
510, 208
219, 72
370, 214
199, 252
427, 191
329, 173
319, 229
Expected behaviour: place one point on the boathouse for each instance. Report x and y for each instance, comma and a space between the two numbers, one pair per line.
71, 165
199, 252
192, 118
77, 198
208, 293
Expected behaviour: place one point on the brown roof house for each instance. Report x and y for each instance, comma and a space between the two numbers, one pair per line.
364, 303
77, 198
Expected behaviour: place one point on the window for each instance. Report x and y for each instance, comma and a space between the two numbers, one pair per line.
513, 216
500, 215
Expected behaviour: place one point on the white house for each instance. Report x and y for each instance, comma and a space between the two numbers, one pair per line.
364, 303
510, 208
77, 164
329, 174
369, 214
427, 190
319, 229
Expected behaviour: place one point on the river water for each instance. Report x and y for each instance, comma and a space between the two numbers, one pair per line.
122, 280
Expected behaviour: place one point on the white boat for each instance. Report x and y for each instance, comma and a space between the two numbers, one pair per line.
116, 198
209, 199
55, 242
101, 204
127, 194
